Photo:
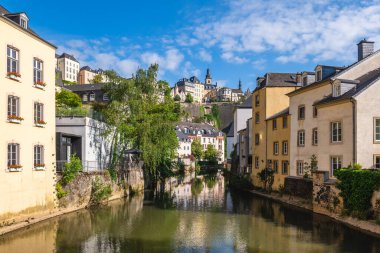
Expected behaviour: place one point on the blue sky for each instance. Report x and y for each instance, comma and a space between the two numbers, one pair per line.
237, 39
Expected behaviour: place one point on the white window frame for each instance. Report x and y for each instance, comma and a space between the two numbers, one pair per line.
300, 116
275, 148
38, 112
336, 135
336, 90
105, 97
37, 70
300, 167
314, 137
13, 60
85, 98
275, 166
335, 163
376, 130
38, 155
285, 146
13, 106
285, 164
13, 154
301, 138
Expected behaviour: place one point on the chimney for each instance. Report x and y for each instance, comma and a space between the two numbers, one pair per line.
365, 48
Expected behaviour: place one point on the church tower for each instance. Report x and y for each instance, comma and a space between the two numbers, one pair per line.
208, 79
239, 84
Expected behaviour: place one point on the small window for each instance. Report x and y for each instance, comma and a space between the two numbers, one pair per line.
13, 106
13, 155
275, 148
285, 165
269, 164
285, 122
85, 98
301, 138
105, 97
257, 100
377, 129
300, 168
12, 60
38, 113
37, 71
301, 112
256, 162
285, 147
377, 161
336, 132
275, 166
23, 23
257, 118
336, 163
319, 75
315, 112
336, 90
274, 124
38, 156
257, 139
315, 136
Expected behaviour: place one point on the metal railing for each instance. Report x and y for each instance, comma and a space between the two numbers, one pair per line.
87, 166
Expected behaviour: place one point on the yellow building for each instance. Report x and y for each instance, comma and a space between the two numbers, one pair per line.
278, 137
269, 99
27, 142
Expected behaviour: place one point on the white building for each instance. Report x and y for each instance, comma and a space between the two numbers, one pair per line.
242, 113
69, 67
208, 135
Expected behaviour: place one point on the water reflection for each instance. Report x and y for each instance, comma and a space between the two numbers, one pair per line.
194, 218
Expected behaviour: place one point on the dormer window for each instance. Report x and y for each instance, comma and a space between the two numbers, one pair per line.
23, 23
336, 90
304, 81
319, 75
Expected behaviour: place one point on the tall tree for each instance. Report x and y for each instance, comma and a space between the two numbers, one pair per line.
98, 78
197, 149
211, 154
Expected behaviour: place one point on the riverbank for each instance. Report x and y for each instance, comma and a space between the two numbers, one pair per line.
368, 227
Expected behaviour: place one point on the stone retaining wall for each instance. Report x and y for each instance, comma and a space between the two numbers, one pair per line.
300, 187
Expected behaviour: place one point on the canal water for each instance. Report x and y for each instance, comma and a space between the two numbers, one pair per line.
198, 216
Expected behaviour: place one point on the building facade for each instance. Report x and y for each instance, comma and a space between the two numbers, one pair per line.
336, 118
89, 93
27, 180
268, 99
87, 75
69, 66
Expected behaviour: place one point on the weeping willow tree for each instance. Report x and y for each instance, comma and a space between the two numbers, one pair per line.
142, 114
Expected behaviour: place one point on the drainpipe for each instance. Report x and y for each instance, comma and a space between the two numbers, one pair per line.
353, 101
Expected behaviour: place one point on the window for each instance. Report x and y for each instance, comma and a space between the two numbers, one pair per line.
315, 136
336, 163
274, 124
299, 168
12, 60
23, 23
319, 75
336, 132
256, 162
39, 155
257, 118
285, 122
257, 100
377, 161
13, 154
269, 164
377, 130
13, 106
304, 81
105, 97
275, 148
285, 165
301, 112
85, 98
301, 138
336, 90
275, 166
257, 139
37, 70
315, 112
92, 96
285, 147
38, 112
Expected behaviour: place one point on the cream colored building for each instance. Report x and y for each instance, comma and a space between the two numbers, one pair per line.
337, 117
87, 75
69, 66
27, 142
269, 99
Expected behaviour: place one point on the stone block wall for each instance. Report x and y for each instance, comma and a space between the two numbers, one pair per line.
299, 187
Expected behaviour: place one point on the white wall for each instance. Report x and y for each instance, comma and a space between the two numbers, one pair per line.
241, 115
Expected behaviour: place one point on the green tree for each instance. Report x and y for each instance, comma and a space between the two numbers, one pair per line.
177, 98
97, 79
189, 98
66, 98
142, 114
211, 154
197, 149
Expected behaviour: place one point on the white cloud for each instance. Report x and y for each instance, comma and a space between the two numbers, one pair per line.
205, 55
170, 61
296, 31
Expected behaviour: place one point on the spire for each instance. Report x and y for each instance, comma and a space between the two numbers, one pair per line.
239, 84
208, 79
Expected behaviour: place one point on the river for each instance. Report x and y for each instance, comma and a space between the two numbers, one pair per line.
201, 216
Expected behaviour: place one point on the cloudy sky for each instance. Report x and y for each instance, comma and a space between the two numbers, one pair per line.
237, 39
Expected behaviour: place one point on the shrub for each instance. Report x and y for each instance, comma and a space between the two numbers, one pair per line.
357, 187
197, 186
100, 191
266, 176
60, 191
71, 169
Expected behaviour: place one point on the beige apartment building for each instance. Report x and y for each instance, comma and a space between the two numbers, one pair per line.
337, 117
27, 99
87, 75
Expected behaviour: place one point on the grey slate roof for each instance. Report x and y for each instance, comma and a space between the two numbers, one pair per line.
68, 56
278, 80
229, 130
196, 127
85, 87
280, 114
364, 82
247, 103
